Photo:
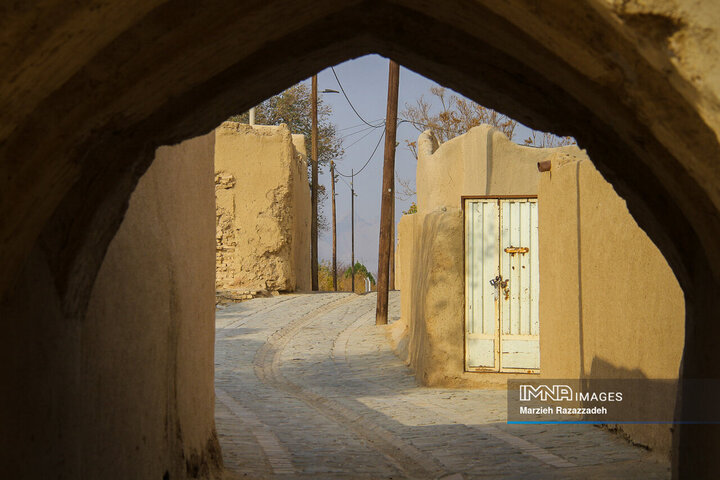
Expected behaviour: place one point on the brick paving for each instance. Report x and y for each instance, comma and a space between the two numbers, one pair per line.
307, 387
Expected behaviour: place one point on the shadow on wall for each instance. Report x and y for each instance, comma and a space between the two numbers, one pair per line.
654, 397
628, 305
149, 331
581, 349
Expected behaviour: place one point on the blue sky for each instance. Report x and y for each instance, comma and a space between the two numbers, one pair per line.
365, 82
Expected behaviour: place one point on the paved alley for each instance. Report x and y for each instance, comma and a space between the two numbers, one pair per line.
307, 387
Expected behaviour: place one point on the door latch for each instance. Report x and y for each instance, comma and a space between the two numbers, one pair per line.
501, 285
514, 250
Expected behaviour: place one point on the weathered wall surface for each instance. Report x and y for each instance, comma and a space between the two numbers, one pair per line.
622, 317
129, 391
431, 320
618, 311
150, 328
481, 162
263, 209
302, 216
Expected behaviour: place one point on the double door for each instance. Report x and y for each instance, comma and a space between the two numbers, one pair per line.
502, 325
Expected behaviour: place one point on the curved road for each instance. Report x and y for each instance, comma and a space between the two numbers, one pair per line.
307, 387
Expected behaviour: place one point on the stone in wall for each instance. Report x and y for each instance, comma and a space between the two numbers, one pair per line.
262, 209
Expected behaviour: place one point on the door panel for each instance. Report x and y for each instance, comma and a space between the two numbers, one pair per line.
520, 354
481, 352
534, 267
519, 342
481, 237
501, 322
525, 267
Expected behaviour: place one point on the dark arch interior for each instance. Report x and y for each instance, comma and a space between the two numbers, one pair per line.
503, 68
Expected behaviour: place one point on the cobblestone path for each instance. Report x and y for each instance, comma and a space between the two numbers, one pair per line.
307, 387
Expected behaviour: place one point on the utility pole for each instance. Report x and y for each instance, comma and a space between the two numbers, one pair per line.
251, 114
314, 193
352, 228
388, 193
334, 263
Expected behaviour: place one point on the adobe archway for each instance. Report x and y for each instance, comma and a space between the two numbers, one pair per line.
88, 91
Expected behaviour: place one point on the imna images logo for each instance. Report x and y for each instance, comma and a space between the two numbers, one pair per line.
559, 393
554, 393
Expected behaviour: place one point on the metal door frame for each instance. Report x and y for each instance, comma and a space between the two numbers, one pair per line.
498, 327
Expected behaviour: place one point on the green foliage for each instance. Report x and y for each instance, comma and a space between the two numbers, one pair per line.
412, 209
361, 270
344, 281
325, 276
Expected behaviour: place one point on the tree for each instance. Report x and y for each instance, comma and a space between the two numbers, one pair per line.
293, 107
325, 276
361, 270
547, 140
456, 116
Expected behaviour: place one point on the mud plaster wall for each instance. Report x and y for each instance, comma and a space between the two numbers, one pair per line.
263, 209
134, 378
627, 307
481, 162
616, 309
150, 327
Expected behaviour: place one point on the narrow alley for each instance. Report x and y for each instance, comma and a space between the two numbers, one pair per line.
308, 387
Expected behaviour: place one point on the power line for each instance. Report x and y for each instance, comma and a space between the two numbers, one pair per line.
371, 128
342, 179
365, 129
368, 160
349, 102
415, 122
358, 125
361, 138
350, 134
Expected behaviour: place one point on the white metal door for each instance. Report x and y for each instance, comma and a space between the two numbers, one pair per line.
481, 265
502, 285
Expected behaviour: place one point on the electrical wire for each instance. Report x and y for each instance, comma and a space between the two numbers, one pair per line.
359, 125
349, 102
414, 122
348, 135
368, 160
344, 181
361, 138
